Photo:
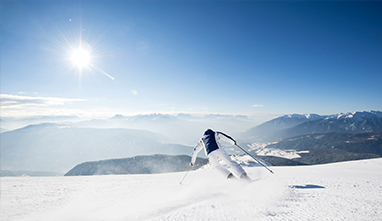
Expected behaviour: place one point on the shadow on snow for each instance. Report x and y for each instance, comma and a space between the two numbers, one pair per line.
307, 186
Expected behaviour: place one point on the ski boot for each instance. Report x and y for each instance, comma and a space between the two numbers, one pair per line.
244, 176
231, 176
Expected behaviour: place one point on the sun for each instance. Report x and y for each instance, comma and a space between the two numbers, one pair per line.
80, 57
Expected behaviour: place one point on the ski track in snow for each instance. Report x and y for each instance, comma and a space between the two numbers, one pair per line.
340, 191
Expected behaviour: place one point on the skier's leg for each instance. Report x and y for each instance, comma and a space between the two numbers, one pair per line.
236, 169
213, 158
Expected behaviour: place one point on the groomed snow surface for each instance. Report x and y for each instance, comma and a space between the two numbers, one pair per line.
340, 191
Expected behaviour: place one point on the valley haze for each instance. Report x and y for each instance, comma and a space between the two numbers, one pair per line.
61, 143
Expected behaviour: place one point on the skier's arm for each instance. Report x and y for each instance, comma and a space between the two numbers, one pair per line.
226, 138
197, 149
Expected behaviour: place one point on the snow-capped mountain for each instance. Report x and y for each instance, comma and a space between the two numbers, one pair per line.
264, 130
315, 139
357, 122
321, 148
294, 125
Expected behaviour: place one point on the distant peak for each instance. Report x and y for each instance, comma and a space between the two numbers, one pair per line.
118, 116
300, 116
360, 115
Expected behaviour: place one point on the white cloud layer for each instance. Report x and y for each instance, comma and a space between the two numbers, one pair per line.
26, 106
12, 101
257, 105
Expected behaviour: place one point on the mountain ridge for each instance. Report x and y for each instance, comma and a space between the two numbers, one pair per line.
149, 164
297, 124
59, 146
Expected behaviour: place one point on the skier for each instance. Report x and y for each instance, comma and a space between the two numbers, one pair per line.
214, 152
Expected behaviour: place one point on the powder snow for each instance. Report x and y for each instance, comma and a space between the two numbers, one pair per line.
338, 191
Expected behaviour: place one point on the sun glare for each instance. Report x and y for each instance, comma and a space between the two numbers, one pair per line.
80, 58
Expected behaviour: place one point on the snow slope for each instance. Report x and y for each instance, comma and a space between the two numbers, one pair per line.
340, 191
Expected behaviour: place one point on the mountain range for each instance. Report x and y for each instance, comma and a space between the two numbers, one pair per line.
181, 128
320, 139
326, 148
294, 125
57, 147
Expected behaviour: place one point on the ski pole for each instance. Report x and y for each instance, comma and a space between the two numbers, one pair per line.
254, 158
185, 176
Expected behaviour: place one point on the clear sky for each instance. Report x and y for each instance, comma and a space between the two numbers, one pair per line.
137, 57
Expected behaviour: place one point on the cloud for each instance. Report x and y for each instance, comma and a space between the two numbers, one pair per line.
15, 101
257, 105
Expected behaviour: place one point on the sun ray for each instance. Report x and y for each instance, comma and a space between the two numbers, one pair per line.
104, 72
77, 52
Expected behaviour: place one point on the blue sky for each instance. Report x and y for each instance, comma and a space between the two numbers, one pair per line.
247, 57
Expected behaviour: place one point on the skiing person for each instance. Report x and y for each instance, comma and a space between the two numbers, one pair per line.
214, 151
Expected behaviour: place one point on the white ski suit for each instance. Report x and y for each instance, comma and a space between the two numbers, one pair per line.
214, 151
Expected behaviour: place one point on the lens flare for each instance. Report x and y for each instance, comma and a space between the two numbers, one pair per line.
80, 53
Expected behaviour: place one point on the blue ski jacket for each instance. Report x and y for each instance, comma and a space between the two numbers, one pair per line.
210, 142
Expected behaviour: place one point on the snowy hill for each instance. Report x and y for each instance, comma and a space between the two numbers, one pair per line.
340, 191
137, 165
